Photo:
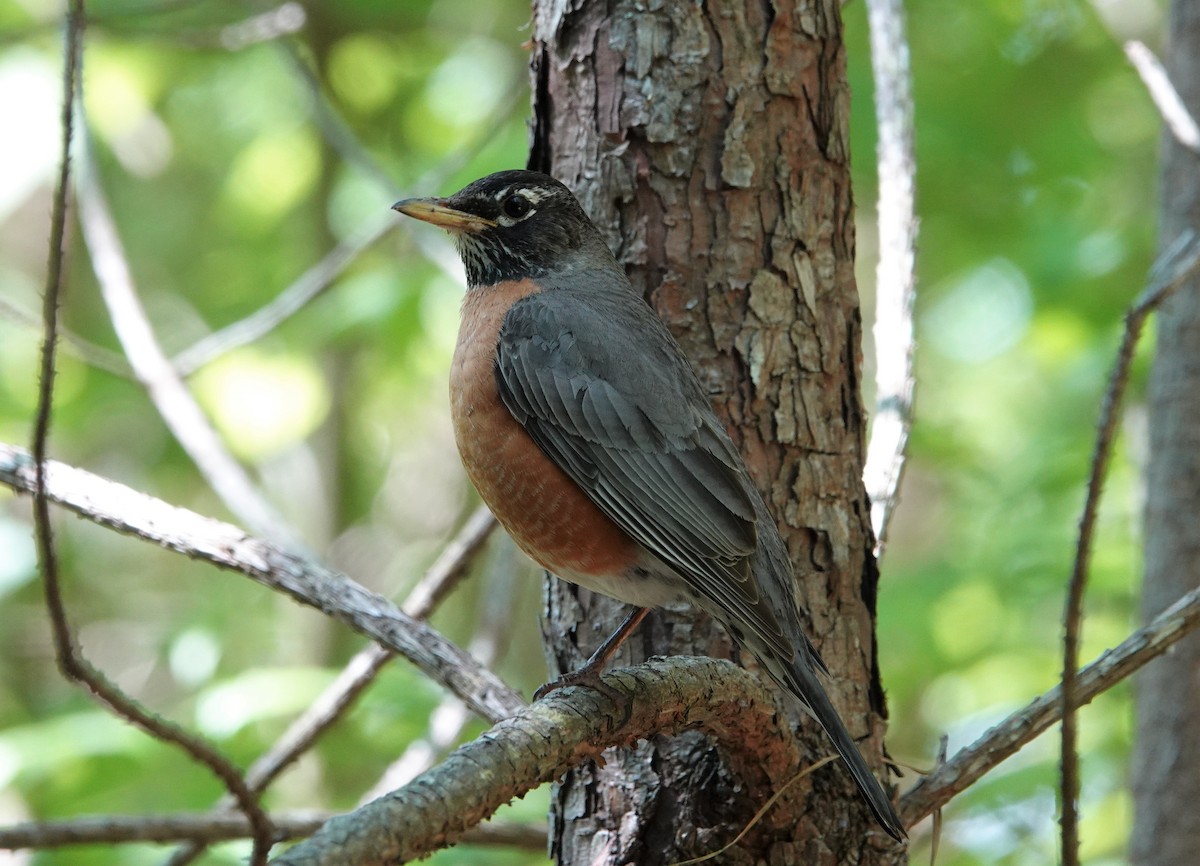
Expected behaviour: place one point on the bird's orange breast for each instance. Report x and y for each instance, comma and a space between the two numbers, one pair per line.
545, 512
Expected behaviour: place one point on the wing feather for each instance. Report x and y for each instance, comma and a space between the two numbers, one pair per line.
654, 459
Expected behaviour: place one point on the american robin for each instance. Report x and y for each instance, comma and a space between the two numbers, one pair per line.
586, 431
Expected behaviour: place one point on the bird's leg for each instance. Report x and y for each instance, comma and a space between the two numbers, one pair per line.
589, 674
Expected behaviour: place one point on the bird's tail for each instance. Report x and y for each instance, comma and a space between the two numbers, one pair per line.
799, 677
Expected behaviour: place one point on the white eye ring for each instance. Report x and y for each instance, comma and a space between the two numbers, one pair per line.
517, 206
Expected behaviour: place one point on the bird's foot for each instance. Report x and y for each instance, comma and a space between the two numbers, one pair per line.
588, 676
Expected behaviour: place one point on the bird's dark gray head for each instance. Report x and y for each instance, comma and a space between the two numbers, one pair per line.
511, 225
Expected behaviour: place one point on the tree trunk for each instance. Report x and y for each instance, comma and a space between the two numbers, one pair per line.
1166, 757
710, 142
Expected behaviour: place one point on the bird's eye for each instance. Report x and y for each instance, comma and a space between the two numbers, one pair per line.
516, 206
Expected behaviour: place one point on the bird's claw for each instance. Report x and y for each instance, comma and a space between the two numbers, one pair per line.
588, 677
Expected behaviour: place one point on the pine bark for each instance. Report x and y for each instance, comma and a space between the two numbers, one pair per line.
710, 141
1166, 758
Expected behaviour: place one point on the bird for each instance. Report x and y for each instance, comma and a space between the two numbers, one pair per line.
585, 429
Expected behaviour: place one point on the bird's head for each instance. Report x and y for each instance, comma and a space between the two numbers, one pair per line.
511, 225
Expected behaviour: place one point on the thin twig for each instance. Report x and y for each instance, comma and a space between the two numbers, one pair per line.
119, 829
895, 282
310, 286
321, 276
935, 835
211, 828
1178, 263
1170, 104
443, 576
333, 126
450, 717
73, 664
71, 343
331, 704
64, 642
179, 410
54, 274
361, 670
1024, 726
118, 507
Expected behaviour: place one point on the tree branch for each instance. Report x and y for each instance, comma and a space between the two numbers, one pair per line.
71, 661
308, 287
179, 410
1167, 99
361, 670
567, 728
895, 281
1178, 262
1006, 738
119, 507
207, 829
321, 276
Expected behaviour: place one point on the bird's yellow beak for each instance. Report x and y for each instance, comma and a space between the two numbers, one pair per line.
434, 210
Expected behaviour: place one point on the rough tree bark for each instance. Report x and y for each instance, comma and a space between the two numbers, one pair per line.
1166, 758
710, 141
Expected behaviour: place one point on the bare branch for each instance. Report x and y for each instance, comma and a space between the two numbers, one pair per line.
276, 23
227, 547
895, 282
333, 126
64, 641
1008, 737
362, 669
1170, 105
74, 666
117, 829
207, 829
340, 695
71, 343
170, 396
54, 279
310, 286
450, 716
561, 731
1178, 263
118, 507
321, 276
450, 565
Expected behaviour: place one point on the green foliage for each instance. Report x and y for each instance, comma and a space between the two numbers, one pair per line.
228, 180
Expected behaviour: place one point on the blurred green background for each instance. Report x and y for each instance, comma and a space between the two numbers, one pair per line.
229, 175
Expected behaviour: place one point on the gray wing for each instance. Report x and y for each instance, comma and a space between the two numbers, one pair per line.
605, 393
